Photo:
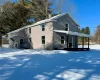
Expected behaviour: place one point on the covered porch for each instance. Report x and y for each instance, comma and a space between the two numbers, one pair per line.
75, 34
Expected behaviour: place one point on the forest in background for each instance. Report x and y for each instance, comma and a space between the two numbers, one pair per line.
24, 12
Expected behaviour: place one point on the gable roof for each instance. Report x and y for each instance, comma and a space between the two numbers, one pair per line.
44, 21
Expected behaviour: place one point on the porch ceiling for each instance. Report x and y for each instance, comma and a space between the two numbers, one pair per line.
72, 33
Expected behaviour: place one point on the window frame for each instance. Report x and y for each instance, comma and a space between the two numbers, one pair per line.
21, 41
43, 26
43, 39
67, 27
62, 39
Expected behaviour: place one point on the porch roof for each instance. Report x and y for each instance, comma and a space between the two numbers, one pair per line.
72, 33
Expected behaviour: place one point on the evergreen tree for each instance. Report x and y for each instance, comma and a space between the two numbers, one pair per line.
87, 30
12, 17
40, 9
16, 15
83, 30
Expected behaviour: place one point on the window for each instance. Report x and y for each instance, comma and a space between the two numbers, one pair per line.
43, 27
43, 39
62, 40
21, 41
66, 27
29, 30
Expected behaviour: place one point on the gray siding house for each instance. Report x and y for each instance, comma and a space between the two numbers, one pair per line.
57, 32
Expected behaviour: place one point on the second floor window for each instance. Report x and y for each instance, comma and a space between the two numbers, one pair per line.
29, 30
66, 27
43, 39
43, 27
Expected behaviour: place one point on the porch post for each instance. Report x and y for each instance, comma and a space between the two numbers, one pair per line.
88, 42
83, 42
67, 40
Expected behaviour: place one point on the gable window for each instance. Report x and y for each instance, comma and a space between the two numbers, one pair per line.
29, 30
62, 40
43, 27
43, 39
66, 27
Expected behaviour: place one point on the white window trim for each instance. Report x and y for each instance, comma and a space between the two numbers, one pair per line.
43, 27
43, 39
65, 26
60, 40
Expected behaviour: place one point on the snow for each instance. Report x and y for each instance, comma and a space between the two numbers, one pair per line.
72, 33
5, 45
16, 64
96, 47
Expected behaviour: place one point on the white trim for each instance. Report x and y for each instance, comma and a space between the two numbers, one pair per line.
64, 39
72, 33
68, 26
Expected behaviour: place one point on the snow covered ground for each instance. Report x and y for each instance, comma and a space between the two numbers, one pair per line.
18, 64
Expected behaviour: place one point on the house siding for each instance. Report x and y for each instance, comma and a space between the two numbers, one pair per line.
37, 33
22, 34
60, 25
52, 39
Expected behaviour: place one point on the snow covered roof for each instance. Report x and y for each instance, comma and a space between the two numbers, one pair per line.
72, 33
42, 21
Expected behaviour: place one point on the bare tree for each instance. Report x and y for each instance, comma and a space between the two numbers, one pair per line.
60, 5
97, 35
71, 8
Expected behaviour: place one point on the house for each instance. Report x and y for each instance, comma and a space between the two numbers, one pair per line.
58, 32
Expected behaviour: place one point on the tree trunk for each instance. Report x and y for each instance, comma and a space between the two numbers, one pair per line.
0, 40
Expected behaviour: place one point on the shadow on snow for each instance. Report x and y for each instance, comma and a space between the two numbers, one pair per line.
69, 66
